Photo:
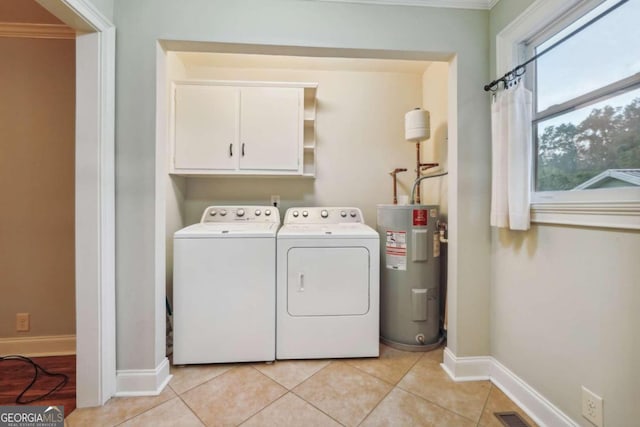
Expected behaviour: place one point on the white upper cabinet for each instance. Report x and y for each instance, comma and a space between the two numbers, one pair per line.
206, 127
270, 128
239, 128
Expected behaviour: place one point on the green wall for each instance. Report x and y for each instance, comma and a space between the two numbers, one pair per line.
428, 33
105, 7
501, 15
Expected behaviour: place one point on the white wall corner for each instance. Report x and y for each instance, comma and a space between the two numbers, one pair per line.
535, 405
54, 345
466, 368
143, 382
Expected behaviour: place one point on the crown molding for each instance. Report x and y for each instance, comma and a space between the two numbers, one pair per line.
456, 4
36, 31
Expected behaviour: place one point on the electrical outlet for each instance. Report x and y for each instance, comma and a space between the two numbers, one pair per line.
592, 407
22, 322
275, 200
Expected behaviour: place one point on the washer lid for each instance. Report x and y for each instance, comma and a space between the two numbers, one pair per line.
345, 230
227, 230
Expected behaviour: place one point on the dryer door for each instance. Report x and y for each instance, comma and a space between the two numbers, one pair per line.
328, 281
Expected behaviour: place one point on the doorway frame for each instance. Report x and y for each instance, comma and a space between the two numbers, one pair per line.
94, 199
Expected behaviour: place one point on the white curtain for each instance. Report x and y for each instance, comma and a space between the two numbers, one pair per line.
511, 154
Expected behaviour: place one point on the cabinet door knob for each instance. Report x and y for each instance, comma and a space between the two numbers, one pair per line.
230, 150
243, 149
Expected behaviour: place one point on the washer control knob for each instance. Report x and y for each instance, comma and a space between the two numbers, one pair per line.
305, 214
267, 212
213, 212
223, 212
353, 214
240, 212
258, 212
324, 213
295, 214
343, 214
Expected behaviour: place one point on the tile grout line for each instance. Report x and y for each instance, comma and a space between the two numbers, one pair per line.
305, 379
354, 367
394, 386
270, 379
191, 409
268, 404
232, 366
376, 405
485, 403
435, 404
377, 377
264, 407
347, 361
314, 374
148, 409
287, 390
311, 404
218, 376
210, 379
331, 361
429, 400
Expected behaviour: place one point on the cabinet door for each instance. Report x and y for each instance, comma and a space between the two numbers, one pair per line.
270, 128
206, 127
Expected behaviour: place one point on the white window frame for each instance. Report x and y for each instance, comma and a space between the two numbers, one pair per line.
614, 208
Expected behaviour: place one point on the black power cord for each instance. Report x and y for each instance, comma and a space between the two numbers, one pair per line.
36, 370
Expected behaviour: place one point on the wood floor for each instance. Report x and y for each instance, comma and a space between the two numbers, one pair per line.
16, 375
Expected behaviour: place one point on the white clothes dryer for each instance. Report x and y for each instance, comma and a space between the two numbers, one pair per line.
327, 285
224, 284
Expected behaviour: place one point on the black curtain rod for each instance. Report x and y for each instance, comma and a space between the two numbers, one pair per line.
521, 69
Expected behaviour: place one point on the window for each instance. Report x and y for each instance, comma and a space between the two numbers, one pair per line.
586, 127
587, 102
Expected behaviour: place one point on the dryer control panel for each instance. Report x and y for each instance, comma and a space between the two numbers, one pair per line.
268, 214
315, 215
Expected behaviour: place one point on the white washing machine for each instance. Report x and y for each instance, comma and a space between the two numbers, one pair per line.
224, 286
328, 285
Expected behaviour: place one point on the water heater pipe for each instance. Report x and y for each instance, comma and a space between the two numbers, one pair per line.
395, 183
418, 171
425, 166
442, 229
419, 180
421, 167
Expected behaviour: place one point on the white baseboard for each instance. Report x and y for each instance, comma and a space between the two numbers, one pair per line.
543, 412
143, 382
536, 406
466, 368
53, 345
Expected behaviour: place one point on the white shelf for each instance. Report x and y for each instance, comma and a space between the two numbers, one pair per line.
309, 140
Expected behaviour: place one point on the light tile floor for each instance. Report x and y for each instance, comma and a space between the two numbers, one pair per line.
397, 389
